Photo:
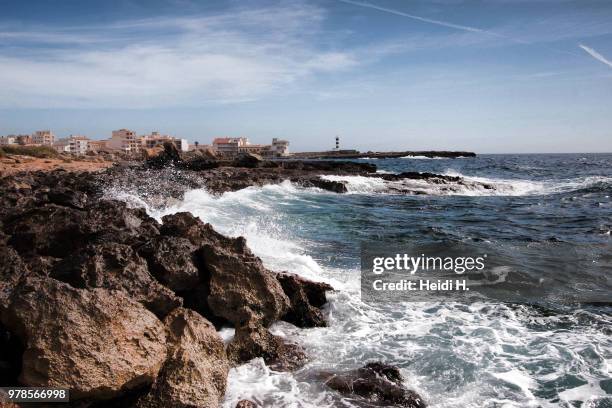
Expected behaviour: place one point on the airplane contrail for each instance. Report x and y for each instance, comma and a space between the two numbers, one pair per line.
465, 28
425, 20
596, 55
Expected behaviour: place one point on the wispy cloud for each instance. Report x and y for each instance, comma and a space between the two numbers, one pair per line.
238, 55
596, 55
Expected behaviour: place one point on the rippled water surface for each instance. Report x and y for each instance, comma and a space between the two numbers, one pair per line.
455, 355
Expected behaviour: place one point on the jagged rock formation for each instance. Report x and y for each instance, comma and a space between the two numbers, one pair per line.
195, 370
101, 298
104, 300
376, 383
96, 342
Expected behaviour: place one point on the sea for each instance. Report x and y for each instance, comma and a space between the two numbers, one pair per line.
485, 353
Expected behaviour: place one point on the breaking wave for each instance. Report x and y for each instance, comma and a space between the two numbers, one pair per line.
472, 186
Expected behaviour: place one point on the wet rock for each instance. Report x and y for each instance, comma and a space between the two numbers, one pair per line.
195, 371
253, 340
329, 166
116, 266
377, 383
171, 261
169, 156
305, 300
413, 175
329, 185
246, 404
98, 343
248, 160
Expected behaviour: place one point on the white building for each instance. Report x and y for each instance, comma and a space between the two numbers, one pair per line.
124, 140
229, 145
8, 140
43, 137
279, 147
156, 139
72, 144
62, 145
232, 146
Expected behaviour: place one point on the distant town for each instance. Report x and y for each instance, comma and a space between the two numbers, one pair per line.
127, 141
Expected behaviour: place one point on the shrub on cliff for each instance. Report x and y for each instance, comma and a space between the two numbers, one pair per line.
34, 151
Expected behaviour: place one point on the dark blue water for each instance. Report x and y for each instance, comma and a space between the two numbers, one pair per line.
457, 355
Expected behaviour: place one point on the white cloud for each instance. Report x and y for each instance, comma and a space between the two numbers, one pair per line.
596, 55
234, 56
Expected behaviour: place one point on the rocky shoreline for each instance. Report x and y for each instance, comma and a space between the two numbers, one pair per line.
100, 298
432, 154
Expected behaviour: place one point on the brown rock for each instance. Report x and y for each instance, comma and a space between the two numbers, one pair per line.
117, 266
195, 371
59, 231
170, 260
98, 343
235, 286
305, 300
12, 269
240, 288
376, 383
246, 404
169, 156
186, 225
252, 340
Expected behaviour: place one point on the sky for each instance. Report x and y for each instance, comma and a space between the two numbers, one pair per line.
495, 76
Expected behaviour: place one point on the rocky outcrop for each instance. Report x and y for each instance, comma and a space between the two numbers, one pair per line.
171, 261
377, 383
116, 266
58, 231
234, 285
329, 185
235, 288
252, 340
248, 160
194, 373
86, 282
98, 342
306, 298
169, 156
240, 288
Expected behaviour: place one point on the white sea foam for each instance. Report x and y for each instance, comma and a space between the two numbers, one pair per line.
470, 186
422, 158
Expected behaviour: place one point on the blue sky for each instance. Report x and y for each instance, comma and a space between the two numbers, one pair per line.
488, 76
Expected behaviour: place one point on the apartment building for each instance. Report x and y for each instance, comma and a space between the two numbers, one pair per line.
43, 137
124, 140
8, 140
96, 145
279, 147
229, 146
73, 144
232, 146
156, 139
